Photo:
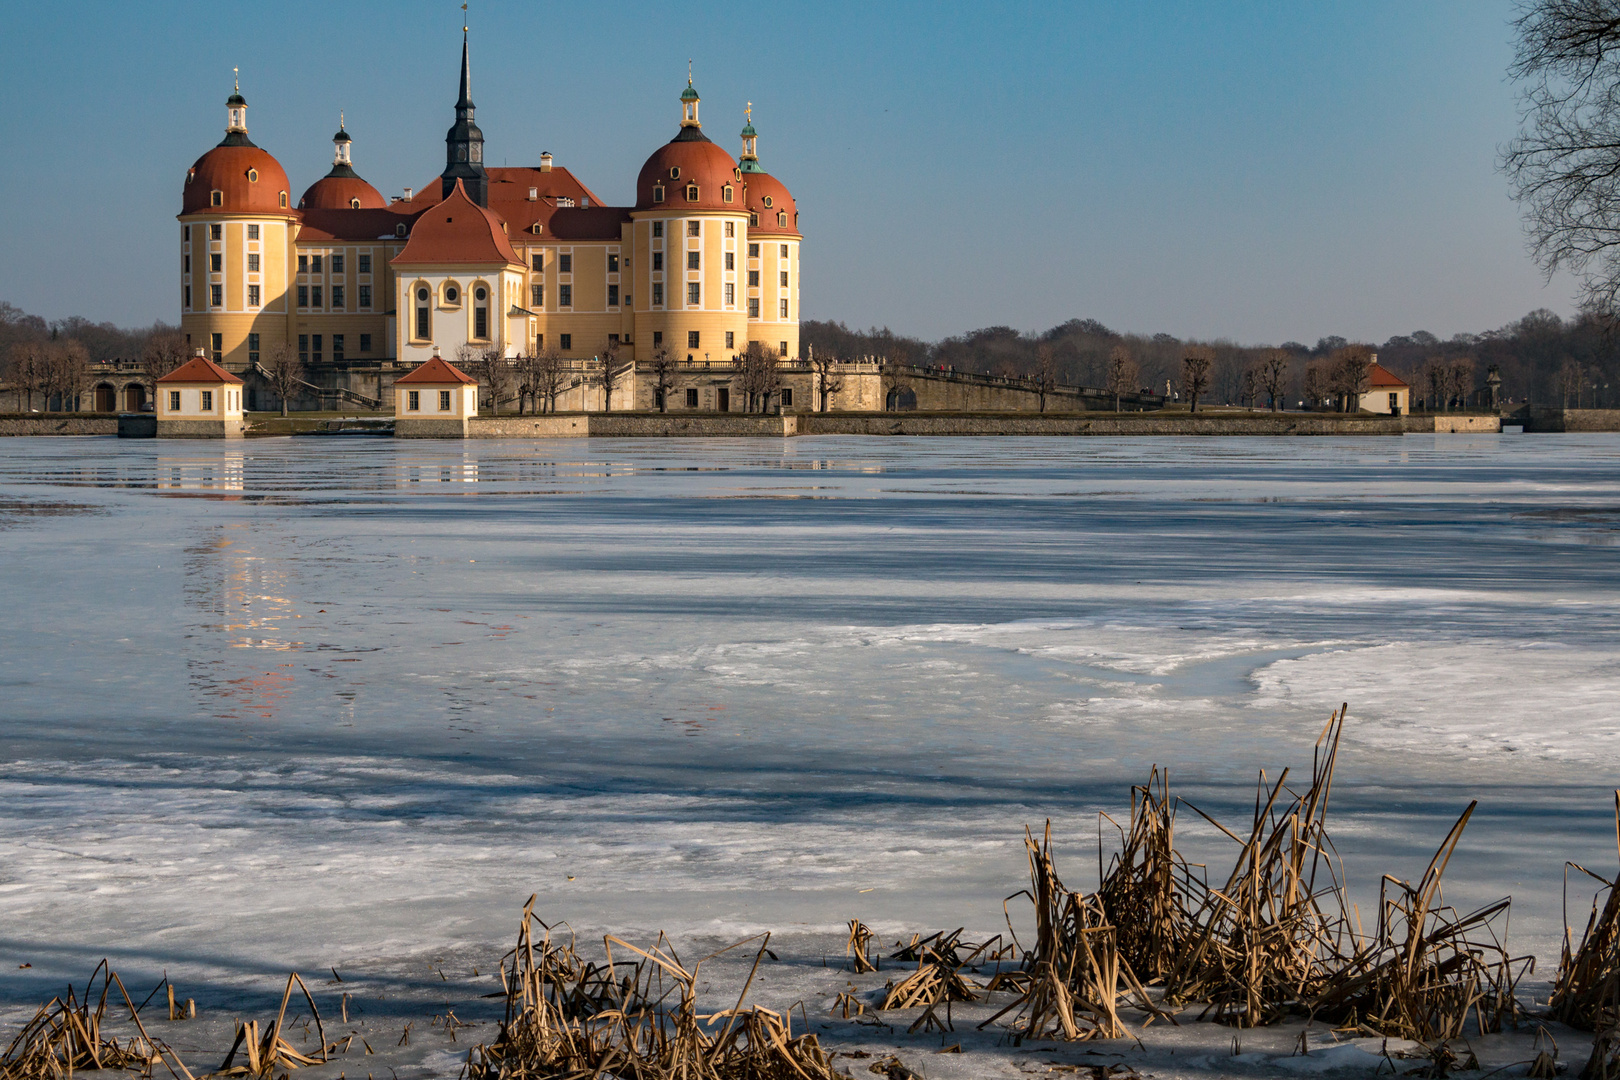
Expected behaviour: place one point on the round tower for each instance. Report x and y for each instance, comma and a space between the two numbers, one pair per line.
236, 223
342, 188
773, 251
690, 229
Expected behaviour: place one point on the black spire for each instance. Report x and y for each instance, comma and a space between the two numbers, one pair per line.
464, 144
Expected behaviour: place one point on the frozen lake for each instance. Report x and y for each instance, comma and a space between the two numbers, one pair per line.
315, 701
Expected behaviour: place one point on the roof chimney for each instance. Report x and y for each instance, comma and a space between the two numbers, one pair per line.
534, 193
407, 194
545, 162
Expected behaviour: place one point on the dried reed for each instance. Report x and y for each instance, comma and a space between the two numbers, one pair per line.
1586, 993
66, 1034
263, 1054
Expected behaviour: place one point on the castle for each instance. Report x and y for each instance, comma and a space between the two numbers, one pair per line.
512, 261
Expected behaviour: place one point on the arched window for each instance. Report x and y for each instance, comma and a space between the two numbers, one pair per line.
725, 193
424, 313
399, 230
781, 218
284, 200
691, 193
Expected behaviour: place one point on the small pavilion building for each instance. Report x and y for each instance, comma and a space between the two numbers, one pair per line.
199, 400
435, 401
1386, 392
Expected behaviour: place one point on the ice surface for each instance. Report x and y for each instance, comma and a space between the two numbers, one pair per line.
316, 702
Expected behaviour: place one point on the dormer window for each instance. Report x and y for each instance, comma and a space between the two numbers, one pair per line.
253, 176
658, 193
725, 193
399, 230
691, 193
284, 200
535, 228
674, 173
753, 219
216, 198
781, 218
354, 204
767, 202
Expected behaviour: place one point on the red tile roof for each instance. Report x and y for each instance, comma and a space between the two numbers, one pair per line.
437, 371
509, 198
200, 369
457, 230
1382, 376
225, 169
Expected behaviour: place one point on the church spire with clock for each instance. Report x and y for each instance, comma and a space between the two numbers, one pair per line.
464, 144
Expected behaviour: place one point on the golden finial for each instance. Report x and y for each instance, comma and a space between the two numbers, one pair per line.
749, 112
236, 79
463, 18
689, 71
340, 119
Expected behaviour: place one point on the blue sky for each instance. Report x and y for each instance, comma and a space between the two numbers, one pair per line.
1260, 171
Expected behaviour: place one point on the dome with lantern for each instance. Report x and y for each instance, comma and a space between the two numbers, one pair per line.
342, 188
689, 172
237, 176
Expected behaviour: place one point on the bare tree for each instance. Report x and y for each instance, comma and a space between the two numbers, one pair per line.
1195, 365
1564, 167
610, 373
893, 379
1316, 384
497, 375
1273, 374
70, 363
164, 351
1461, 372
1350, 375
828, 379
26, 366
1124, 377
283, 371
549, 377
663, 367
757, 376
1045, 373
523, 375
1569, 380
1438, 376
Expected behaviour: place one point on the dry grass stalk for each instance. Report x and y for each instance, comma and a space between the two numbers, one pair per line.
631, 1018
1145, 889
264, 1053
1586, 993
1427, 969
1277, 930
860, 947
67, 1034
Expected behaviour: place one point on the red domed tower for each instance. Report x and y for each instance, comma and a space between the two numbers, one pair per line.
773, 251
342, 188
236, 225
689, 227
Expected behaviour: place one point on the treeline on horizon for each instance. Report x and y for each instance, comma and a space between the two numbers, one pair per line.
1541, 358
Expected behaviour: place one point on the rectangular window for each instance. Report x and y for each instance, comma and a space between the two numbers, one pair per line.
692, 339
658, 338
787, 397
174, 401
658, 293
537, 296
731, 228
784, 279
784, 251
731, 340
423, 319
207, 404
337, 264
784, 310
753, 251
253, 232
539, 341
303, 296
365, 296
187, 266
315, 296
188, 296
337, 346
613, 263
365, 264
658, 260
565, 264
613, 296
480, 322
444, 401
658, 228
216, 231
214, 263
185, 232
365, 343
753, 279
753, 307
216, 345
537, 259
694, 293
692, 228
253, 264
303, 264
731, 293
303, 348
314, 264
413, 401
781, 348
691, 398
565, 296
692, 260
315, 348
253, 348
337, 296
253, 296
216, 295
566, 341
731, 260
